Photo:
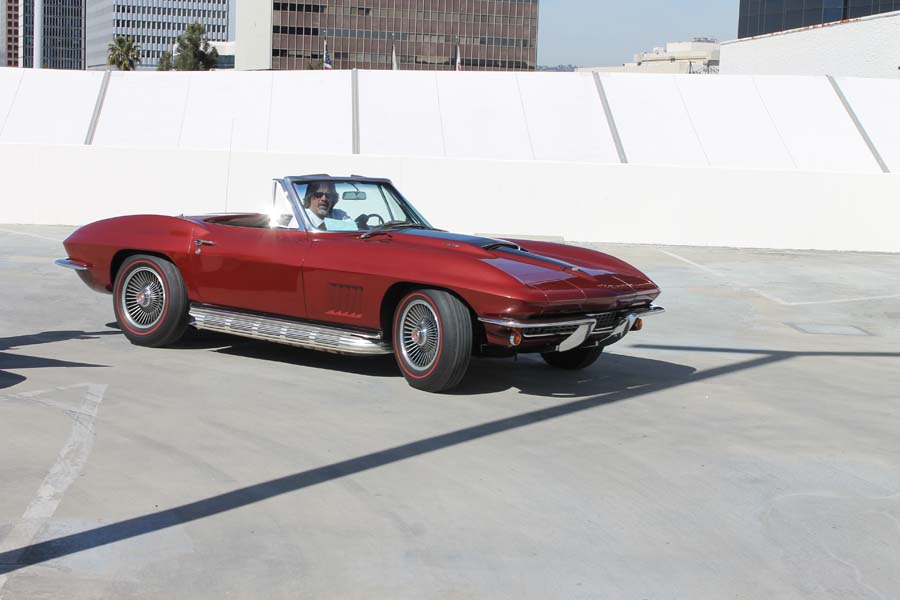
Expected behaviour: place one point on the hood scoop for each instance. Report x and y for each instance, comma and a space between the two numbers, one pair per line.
497, 244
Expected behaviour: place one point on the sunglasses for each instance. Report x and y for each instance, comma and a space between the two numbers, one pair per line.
332, 196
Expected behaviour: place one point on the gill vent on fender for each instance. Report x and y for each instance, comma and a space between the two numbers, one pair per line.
345, 300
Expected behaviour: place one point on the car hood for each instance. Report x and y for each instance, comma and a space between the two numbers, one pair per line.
571, 278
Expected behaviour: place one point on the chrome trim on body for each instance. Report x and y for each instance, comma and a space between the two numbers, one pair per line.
70, 264
584, 327
513, 324
285, 331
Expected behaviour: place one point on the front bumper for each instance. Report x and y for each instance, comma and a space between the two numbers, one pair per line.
594, 328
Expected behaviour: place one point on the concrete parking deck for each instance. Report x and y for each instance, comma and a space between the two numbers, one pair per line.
744, 445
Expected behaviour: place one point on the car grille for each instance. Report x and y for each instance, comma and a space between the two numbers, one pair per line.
606, 320
548, 331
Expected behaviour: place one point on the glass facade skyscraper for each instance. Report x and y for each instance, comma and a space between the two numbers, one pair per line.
492, 35
758, 17
63, 32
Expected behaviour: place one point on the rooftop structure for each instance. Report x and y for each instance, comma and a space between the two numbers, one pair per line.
700, 55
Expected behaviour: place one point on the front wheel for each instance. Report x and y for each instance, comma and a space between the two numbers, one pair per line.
432, 339
150, 301
573, 360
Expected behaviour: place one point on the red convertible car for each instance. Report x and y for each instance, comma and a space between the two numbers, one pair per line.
347, 265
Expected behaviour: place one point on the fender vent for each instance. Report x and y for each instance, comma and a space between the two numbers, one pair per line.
345, 300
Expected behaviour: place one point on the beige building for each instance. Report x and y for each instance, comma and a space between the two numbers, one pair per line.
701, 55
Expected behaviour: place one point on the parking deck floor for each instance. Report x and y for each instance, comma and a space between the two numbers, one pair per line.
746, 444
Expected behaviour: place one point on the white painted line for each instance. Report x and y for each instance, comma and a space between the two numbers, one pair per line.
771, 297
71, 460
692, 263
842, 300
33, 393
34, 235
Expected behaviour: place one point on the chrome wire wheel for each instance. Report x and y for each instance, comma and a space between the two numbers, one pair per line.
143, 298
420, 335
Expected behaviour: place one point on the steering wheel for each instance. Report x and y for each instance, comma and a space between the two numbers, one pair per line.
362, 221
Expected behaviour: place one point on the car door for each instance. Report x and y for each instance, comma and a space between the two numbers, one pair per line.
250, 267
344, 278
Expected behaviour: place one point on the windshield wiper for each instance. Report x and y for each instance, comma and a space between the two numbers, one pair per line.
391, 226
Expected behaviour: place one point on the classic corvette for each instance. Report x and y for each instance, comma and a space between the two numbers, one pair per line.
347, 265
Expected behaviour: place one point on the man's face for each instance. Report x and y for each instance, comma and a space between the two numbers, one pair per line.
322, 199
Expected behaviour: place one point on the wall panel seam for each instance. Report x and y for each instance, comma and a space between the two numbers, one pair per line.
98, 109
610, 120
859, 126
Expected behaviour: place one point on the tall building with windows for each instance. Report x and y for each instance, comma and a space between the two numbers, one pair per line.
491, 35
62, 33
153, 24
9, 33
758, 17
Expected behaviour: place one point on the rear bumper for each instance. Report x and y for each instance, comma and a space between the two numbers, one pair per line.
594, 329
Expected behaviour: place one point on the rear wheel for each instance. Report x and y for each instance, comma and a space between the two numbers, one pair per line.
573, 360
150, 301
432, 339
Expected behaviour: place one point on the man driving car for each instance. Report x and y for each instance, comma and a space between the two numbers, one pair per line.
319, 201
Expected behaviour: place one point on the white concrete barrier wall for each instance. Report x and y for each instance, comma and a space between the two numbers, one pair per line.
46, 107
877, 104
757, 122
739, 161
578, 201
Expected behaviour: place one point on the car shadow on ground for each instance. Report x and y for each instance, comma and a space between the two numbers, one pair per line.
22, 361
527, 373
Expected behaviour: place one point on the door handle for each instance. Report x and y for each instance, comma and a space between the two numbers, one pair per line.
204, 243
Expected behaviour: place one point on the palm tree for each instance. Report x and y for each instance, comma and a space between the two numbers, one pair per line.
123, 53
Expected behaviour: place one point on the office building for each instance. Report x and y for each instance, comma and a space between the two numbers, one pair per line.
9, 33
492, 35
61, 35
759, 17
153, 24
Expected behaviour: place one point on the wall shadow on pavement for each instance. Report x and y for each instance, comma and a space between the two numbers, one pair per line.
43, 551
21, 361
48, 337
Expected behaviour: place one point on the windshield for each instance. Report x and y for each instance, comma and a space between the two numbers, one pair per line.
354, 206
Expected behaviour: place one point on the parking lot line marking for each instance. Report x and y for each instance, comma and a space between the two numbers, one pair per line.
844, 300
69, 463
34, 235
771, 297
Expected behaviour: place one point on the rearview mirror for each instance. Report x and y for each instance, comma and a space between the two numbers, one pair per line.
353, 196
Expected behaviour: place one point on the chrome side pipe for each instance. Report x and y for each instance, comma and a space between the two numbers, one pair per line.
285, 331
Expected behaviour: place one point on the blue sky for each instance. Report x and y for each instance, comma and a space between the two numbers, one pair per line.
610, 32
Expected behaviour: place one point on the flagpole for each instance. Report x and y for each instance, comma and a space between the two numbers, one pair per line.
395, 65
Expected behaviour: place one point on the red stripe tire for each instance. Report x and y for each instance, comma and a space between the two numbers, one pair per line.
150, 301
432, 336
